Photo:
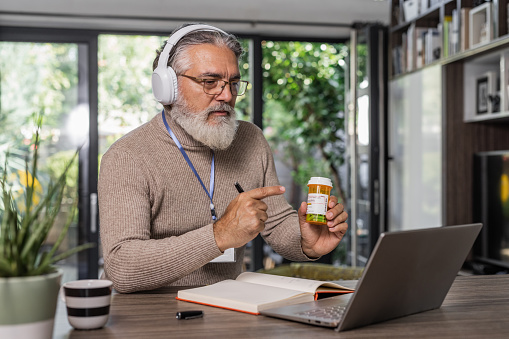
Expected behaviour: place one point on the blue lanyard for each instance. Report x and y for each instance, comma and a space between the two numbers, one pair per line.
181, 149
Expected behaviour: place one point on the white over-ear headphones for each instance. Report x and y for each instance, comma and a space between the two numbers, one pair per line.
164, 78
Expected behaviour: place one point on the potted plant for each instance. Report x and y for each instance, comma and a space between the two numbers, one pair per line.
29, 281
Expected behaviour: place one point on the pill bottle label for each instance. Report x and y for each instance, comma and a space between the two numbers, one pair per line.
317, 203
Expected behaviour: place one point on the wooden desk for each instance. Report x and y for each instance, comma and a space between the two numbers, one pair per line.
476, 307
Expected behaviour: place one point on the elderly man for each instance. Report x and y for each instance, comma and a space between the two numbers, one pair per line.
169, 207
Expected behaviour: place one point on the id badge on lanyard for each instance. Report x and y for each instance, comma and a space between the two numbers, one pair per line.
229, 255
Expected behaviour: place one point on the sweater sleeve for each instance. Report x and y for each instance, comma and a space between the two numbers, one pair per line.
133, 260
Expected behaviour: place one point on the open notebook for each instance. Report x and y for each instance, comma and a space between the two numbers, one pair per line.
252, 292
408, 272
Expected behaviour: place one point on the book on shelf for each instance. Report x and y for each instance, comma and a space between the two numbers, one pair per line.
410, 48
423, 6
437, 52
414, 47
464, 29
446, 35
432, 45
253, 292
396, 60
418, 47
403, 56
419, 42
454, 33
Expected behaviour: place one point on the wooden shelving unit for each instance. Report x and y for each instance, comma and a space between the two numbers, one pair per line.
464, 131
450, 22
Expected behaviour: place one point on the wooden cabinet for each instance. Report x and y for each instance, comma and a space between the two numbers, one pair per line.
461, 140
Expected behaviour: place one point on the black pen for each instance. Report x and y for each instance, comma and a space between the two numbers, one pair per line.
189, 314
237, 186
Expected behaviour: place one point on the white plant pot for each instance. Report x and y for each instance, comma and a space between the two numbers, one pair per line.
28, 306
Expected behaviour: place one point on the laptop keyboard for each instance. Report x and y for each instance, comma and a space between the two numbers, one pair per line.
327, 313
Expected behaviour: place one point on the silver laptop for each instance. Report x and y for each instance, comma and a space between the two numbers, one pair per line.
408, 272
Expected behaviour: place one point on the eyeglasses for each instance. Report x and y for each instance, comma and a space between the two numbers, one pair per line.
213, 86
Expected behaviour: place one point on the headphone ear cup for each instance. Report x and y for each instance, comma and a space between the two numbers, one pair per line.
164, 85
173, 86
164, 79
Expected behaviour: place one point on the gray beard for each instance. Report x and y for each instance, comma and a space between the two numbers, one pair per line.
218, 136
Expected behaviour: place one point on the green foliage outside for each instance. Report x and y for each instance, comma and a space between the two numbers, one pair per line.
125, 94
38, 79
304, 90
57, 164
243, 104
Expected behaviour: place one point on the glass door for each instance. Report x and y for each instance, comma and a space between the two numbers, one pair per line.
303, 120
366, 126
48, 75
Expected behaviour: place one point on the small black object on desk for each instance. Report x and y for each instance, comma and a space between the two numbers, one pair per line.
189, 314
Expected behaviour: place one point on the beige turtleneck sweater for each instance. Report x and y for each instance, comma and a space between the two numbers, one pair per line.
155, 222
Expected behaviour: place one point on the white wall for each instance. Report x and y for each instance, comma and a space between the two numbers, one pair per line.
322, 17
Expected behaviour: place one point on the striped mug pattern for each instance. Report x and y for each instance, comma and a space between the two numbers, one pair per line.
88, 303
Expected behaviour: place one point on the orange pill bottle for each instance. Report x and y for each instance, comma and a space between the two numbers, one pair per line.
318, 200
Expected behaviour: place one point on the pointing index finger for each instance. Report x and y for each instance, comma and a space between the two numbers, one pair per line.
264, 192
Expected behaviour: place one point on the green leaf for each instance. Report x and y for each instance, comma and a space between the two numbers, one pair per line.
48, 260
71, 252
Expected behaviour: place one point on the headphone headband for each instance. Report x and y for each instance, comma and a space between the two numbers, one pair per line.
175, 37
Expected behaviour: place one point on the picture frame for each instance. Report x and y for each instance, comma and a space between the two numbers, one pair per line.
481, 25
482, 93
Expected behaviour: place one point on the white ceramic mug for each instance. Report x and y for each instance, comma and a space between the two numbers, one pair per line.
88, 303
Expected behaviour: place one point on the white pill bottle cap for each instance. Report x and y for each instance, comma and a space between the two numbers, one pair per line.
320, 181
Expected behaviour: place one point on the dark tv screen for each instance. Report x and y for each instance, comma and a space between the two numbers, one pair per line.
491, 206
